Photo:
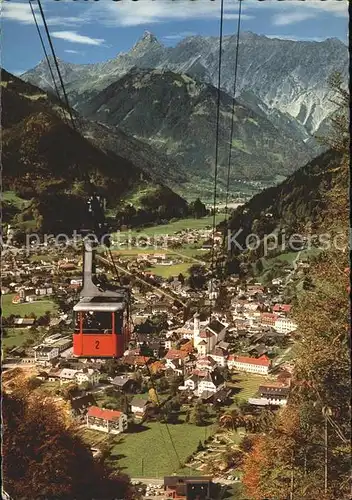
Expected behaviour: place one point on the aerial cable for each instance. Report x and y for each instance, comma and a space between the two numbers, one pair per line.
226, 225
45, 52
56, 63
114, 265
233, 109
83, 175
151, 380
217, 148
159, 406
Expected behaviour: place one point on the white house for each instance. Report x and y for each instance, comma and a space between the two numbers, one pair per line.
67, 375
285, 325
139, 407
219, 356
260, 365
211, 383
109, 421
206, 363
88, 375
174, 355
45, 353
192, 383
270, 395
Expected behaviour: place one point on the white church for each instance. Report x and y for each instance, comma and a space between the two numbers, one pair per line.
206, 337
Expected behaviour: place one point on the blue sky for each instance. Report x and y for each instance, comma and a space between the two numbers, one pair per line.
87, 31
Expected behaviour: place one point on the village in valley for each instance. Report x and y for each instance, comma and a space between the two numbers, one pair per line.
203, 380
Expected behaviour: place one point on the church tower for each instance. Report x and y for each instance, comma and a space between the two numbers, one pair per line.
196, 330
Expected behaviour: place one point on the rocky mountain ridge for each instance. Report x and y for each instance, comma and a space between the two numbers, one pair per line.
290, 76
176, 114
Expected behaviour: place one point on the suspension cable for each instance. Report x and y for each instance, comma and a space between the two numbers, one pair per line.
56, 63
233, 108
150, 376
216, 153
159, 406
114, 265
45, 52
231, 133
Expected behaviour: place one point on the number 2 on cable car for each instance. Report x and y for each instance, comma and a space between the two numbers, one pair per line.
97, 344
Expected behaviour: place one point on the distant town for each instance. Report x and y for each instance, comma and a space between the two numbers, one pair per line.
205, 370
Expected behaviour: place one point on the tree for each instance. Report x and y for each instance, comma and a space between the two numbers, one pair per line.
169, 412
199, 414
43, 457
259, 266
112, 367
162, 384
296, 447
69, 390
174, 382
200, 446
197, 276
199, 209
85, 386
181, 278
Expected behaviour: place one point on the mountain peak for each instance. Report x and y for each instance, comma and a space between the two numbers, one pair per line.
145, 43
148, 36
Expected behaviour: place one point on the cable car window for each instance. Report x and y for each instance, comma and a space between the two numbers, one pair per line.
97, 322
118, 323
77, 322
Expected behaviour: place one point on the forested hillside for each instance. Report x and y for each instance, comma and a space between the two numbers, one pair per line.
46, 161
307, 453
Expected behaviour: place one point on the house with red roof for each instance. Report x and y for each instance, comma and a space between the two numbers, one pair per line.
260, 365
176, 359
268, 319
282, 308
110, 421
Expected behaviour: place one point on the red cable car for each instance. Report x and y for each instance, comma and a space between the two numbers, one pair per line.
101, 317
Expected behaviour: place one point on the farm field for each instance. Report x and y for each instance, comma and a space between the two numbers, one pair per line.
167, 271
186, 251
15, 337
133, 451
172, 227
38, 308
246, 385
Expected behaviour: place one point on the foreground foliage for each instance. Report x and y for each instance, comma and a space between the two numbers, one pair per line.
43, 457
307, 453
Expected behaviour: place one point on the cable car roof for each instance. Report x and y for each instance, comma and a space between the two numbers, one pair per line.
87, 305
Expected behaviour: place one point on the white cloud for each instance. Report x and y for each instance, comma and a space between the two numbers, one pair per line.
335, 7
64, 21
74, 37
146, 12
291, 17
178, 36
73, 51
20, 12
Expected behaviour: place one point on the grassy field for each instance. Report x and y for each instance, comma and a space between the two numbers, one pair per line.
173, 227
137, 449
15, 337
168, 271
245, 385
39, 308
186, 251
